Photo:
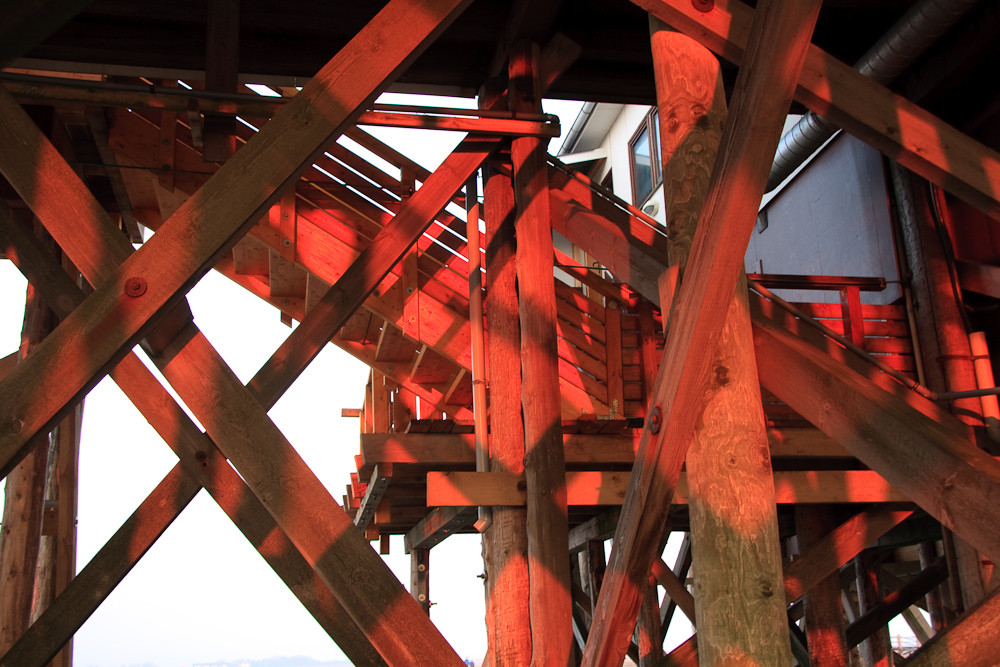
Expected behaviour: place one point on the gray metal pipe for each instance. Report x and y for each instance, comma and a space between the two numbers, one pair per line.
898, 48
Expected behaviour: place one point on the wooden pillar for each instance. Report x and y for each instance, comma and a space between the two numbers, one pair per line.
505, 544
739, 597
222, 65
24, 495
548, 531
648, 629
943, 335
875, 649
420, 563
824, 612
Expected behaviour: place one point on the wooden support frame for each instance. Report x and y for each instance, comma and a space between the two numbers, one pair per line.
377, 486
763, 92
363, 276
549, 598
201, 458
33, 405
436, 526
105, 570
838, 92
974, 639
200, 355
931, 461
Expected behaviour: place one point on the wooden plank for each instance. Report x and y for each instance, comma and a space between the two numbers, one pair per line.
100, 331
208, 466
366, 272
844, 543
505, 547
613, 336
458, 449
549, 600
931, 461
732, 518
888, 122
436, 526
823, 612
374, 492
105, 571
972, 640
598, 529
759, 104
593, 488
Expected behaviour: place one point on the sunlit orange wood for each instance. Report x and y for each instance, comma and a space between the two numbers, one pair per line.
550, 611
759, 105
836, 91
932, 462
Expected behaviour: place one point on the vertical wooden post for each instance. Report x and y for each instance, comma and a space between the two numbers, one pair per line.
734, 526
505, 544
24, 495
876, 649
613, 345
420, 562
648, 629
67, 465
222, 68
548, 532
942, 333
824, 612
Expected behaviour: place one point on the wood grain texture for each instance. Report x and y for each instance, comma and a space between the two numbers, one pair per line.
505, 544
888, 122
199, 455
550, 610
759, 105
366, 272
972, 641
100, 331
931, 461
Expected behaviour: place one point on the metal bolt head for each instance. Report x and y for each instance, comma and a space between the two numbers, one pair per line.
703, 5
655, 420
135, 286
287, 243
421, 597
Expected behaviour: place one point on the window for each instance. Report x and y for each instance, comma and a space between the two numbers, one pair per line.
644, 158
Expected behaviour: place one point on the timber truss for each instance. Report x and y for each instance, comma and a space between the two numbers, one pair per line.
600, 382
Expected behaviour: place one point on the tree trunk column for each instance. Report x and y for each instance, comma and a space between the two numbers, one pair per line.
739, 598
550, 608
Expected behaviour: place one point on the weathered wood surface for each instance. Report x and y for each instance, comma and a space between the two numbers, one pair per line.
759, 105
366, 272
838, 92
931, 461
505, 544
591, 487
733, 523
196, 451
100, 331
972, 641
549, 600
105, 570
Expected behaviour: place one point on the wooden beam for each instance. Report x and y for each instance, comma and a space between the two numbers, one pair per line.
831, 552
365, 274
549, 599
202, 459
974, 639
895, 603
595, 487
458, 449
932, 462
598, 529
100, 331
106, 569
377, 486
888, 122
750, 136
436, 526
505, 545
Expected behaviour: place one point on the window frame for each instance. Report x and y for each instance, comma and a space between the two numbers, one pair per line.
650, 124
